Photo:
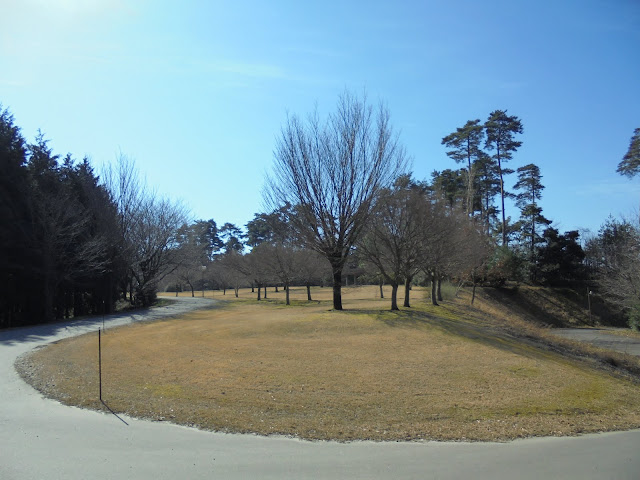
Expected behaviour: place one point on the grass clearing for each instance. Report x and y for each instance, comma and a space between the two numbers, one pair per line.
445, 373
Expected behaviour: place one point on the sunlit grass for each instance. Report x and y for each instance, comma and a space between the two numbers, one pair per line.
363, 373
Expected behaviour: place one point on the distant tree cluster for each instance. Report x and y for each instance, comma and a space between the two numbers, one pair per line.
270, 253
73, 245
530, 249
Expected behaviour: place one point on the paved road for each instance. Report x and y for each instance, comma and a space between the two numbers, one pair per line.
42, 439
601, 338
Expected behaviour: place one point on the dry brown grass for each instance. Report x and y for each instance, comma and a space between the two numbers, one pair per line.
364, 373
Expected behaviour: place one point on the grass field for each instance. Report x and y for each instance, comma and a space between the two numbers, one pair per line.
445, 373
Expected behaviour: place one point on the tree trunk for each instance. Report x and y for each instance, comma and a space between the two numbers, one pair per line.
407, 290
439, 289
337, 287
473, 292
265, 291
47, 294
381, 292
286, 288
236, 290
469, 188
434, 292
504, 221
394, 296
308, 292
276, 290
259, 291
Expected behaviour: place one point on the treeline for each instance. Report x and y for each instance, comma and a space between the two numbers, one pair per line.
340, 192
72, 244
342, 205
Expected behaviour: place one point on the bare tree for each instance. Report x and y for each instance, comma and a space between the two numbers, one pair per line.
393, 237
281, 261
229, 270
312, 269
440, 244
191, 255
148, 225
330, 172
474, 249
616, 255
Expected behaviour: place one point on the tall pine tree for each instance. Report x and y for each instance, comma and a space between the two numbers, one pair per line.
465, 147
501, 130
531, 218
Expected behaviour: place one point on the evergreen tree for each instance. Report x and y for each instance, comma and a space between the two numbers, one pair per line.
465, 144
531, 218
630, 164
449, 185
487, 187
231, 237
501, 130
560, 258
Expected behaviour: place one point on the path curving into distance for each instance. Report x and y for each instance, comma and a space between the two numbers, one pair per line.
41, 438
601, 337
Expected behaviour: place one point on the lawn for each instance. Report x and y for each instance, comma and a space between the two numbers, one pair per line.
443, 373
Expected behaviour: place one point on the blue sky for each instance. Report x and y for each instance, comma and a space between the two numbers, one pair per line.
197, 91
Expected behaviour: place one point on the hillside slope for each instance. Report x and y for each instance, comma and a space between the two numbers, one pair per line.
546, 306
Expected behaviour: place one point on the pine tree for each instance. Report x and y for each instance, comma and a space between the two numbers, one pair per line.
630, 164
531, 218
465, 143
501, 130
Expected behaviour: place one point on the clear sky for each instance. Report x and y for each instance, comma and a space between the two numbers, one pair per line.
197, 91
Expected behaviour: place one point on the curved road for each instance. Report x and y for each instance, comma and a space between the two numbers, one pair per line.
602, 337
41, 438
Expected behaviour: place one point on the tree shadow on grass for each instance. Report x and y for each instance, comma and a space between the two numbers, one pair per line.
542, 307
469, 328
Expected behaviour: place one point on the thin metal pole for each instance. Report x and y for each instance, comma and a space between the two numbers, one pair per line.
100, 362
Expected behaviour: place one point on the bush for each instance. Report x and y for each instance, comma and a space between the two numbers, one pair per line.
505, 265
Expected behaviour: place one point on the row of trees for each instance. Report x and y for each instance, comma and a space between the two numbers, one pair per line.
73, 244
340, 193
340, 196
342, 189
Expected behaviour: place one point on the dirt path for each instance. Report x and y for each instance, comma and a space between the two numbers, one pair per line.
603, 338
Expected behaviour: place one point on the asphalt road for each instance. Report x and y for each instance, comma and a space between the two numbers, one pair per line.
43, 439
603, 338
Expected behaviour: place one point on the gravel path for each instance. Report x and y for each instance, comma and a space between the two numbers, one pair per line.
40, 438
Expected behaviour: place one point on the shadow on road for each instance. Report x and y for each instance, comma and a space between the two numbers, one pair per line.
113, 413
